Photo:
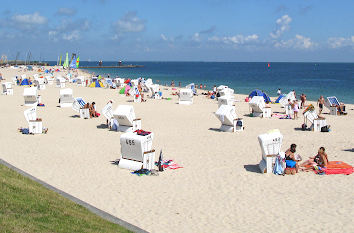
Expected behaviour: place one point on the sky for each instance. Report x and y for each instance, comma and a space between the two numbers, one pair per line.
163, 30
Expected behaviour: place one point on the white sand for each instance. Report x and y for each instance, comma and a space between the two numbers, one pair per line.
219, 189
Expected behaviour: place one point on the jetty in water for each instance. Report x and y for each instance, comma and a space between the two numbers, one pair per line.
123, 66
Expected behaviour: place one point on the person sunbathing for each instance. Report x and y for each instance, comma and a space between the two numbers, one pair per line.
290, 159
92, 110
321, 160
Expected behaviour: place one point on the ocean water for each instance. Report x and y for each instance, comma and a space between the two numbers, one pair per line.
313, 79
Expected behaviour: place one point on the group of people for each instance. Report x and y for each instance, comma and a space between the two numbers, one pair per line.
92, 109
317, 162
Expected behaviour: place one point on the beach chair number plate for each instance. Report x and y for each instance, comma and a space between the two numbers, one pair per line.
130, 142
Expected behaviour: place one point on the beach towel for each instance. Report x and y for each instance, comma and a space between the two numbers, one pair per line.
279, 166
338, 167
168, 163
24, 130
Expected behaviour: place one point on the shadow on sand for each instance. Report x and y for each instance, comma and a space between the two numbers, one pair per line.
75, 116
349, 150
252, 168
102, 126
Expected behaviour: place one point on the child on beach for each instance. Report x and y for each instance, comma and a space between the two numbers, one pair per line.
279, 92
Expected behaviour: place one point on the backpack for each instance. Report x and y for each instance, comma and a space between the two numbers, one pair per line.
325, 129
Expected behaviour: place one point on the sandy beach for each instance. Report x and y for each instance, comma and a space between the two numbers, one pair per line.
219, 188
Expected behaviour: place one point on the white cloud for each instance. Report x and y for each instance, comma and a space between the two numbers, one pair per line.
299, 42
29, 19
282, 25
72, 36
66, 11
236, 40
69, 30
338, 42
130, 22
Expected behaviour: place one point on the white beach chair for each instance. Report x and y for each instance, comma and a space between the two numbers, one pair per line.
225, 91
50, 79
226, 100
259, 108
270, 143
66, 97
316, 122
35, 125
125, 116
60, 82
7, 88
136, 151
228, 118
107, 112
78, 106
31, 96
186, 96
285, 102
332, 103
119, 82
155, 91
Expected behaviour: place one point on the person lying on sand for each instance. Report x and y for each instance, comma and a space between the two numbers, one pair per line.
321, 160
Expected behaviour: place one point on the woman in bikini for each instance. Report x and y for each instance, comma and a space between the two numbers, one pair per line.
290, 158
321, 160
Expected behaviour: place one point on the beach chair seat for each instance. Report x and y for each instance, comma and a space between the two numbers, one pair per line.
7, 88
226, 100
229, 120
66, 98
186, 96
31, 96
125, 116
258, 105
270, 143
136, 151
35, 125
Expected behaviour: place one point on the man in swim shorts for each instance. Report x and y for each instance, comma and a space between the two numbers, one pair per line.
320, 103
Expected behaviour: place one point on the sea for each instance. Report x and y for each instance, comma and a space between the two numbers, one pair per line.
312, 79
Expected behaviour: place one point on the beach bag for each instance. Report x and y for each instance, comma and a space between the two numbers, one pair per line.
278, 166
325, 129
303, 127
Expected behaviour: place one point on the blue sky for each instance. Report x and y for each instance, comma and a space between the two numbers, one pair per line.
157, 30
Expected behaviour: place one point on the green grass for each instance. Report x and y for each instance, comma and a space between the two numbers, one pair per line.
26, 206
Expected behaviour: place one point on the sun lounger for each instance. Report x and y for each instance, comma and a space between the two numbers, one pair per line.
127, 121
66, 98
35, 125
259, 108
136, 151
7, 88
30, 96
228, 118
332, 104
186, 96
78, 106
270, 143
311, 116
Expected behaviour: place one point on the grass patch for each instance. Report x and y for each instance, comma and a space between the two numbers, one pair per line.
26, 206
